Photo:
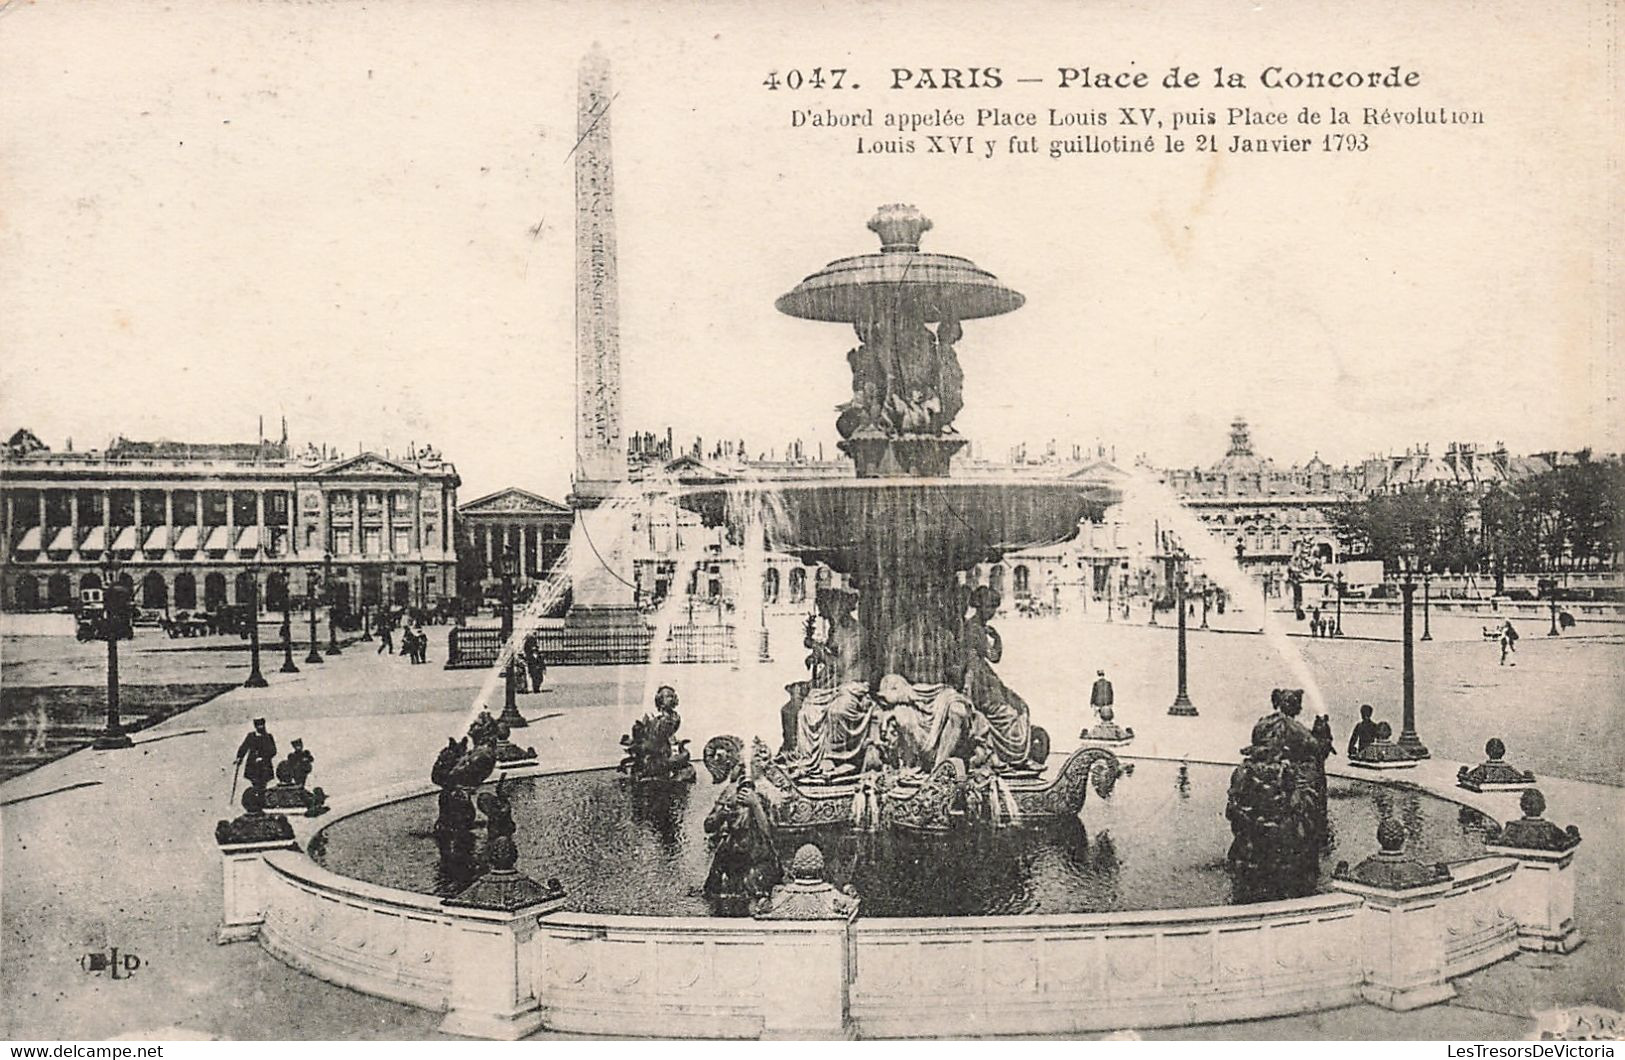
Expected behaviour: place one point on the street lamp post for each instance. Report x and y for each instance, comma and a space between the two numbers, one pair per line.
332, 606
1182, 706
1207, 595
255, 678
1553, 632
114, 612
288, 666
510, 708
1342, 583
311, 581
1427, 576
1409, 741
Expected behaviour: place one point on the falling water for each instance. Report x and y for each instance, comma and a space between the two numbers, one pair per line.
549, 592
1145, 499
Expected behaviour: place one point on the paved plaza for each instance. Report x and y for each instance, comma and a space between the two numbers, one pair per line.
116, 848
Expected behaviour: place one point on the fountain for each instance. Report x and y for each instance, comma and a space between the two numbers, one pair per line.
903, 686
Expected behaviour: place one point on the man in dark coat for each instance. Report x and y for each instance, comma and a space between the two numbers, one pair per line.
1364, 731
257, 753
1101, 694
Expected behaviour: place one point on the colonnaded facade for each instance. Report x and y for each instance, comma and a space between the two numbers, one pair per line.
187, 526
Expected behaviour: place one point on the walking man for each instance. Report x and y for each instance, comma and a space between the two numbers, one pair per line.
1509, 642
386, 633
535, 663
257, 754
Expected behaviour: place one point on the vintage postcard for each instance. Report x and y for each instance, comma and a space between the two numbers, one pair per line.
533, 519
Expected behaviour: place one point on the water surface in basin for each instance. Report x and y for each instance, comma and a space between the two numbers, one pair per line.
1158, 842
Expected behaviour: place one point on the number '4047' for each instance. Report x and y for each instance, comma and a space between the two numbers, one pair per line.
817, 77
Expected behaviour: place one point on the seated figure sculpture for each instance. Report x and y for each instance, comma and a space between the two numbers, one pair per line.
653, 752
289, 792
837, 719
1009, 720
925, 725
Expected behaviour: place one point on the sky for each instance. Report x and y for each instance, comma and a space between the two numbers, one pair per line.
360, 216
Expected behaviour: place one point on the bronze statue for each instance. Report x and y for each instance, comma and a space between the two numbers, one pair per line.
745, 860
1277, 800
1008, 718
653, 752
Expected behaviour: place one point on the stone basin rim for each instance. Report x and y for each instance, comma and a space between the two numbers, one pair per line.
307, 830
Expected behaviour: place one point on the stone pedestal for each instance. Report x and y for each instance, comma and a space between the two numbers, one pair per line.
1402, 943
243, 875
1541, 898
493, 973
1383, 754
1494, 774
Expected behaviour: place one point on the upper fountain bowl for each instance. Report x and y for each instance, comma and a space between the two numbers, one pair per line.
936, 286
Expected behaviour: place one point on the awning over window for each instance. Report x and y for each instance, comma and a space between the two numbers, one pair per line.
251, 539
62, 541
30, 541
124, 540
219, 539
157, 539
95, 540
188, 541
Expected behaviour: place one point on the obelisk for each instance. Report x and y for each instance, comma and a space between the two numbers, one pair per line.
600, 446
601, 578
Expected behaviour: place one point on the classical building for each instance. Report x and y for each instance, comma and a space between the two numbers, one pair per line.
534, 529
187, 525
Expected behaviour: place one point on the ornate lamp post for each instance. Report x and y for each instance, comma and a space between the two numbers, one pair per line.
510, 709
115, 612
255, 678
1342, 583
1182, 706
1427, 575
312, 579
1409, 741
332, 605
1552, 601
288, 666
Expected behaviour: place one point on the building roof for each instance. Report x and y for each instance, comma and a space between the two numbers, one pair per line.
513, 501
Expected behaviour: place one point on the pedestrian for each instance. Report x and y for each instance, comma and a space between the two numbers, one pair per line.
1363, 733
535, 662
422, 645
386, 633
1101, 694
259, 750
1509, 642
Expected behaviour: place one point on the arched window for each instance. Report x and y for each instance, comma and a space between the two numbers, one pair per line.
185, 591
154, 591
59, 591
1022, 580
798, 584
90, 581
25, 592
995, 578
243, 590
214, 591
770, 586
276, 591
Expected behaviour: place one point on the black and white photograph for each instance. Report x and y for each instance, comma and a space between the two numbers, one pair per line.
538, 520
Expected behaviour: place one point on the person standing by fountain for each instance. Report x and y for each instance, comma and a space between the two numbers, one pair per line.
1100, 694
1008, 717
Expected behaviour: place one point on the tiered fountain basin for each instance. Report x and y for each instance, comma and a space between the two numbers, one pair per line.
853, 523
1126, 920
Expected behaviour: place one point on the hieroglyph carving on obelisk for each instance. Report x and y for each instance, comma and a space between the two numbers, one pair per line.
600, 446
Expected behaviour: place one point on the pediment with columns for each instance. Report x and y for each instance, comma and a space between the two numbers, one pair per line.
513, 501
367, 465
